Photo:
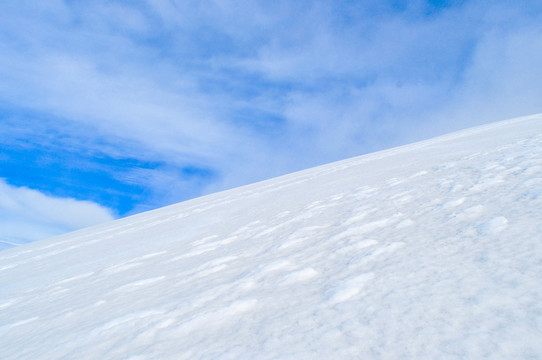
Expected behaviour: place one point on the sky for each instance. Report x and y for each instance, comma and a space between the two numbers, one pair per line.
111, 108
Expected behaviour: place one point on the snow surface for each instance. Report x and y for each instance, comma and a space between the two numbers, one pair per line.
427, 251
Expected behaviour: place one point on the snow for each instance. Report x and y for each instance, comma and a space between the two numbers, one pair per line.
427, 251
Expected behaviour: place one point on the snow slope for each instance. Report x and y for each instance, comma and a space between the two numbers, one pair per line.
427, 251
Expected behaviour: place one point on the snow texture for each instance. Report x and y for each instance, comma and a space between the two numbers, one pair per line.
426, 251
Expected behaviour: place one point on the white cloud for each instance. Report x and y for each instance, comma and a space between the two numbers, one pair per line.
28, 215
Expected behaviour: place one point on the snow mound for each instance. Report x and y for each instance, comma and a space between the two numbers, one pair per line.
431, 250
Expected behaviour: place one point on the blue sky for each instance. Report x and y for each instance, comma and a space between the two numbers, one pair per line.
123, 106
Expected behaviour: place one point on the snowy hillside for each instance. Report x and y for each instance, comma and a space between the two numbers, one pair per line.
427, 251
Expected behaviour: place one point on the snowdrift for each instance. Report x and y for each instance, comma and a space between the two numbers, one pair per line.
427, 251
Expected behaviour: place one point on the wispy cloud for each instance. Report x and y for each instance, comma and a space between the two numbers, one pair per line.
213, 94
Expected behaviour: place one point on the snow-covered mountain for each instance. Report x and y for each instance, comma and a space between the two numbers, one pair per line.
426, 251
